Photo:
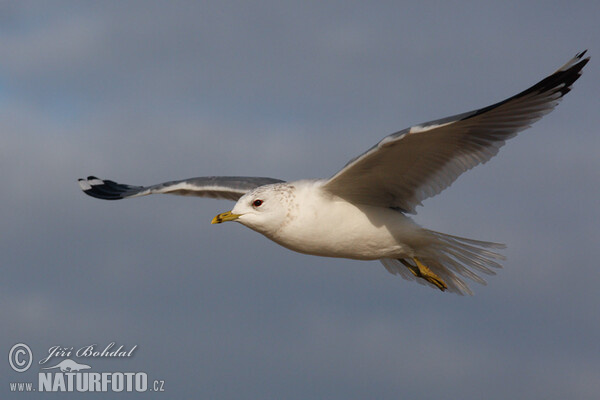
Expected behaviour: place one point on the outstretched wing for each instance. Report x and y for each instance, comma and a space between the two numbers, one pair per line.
218, 187
409, 166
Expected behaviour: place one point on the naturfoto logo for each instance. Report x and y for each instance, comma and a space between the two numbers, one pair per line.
59, 372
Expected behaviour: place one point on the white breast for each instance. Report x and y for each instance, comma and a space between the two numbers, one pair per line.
322, 225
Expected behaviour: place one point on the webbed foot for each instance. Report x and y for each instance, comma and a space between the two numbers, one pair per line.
423, 272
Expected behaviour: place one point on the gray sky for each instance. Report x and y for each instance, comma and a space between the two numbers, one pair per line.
143, 92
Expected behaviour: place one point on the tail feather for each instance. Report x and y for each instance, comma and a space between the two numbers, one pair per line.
452, 258
480, 251
461, 269
473, 260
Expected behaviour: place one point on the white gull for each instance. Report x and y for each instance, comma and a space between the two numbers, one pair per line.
360, 212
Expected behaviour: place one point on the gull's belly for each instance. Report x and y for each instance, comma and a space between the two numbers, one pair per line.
348, 231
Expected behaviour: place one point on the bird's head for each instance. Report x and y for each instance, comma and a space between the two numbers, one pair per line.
263, 209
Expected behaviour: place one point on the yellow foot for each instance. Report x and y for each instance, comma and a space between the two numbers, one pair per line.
422, 271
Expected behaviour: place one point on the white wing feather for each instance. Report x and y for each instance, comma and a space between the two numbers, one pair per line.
217, 187
409, 166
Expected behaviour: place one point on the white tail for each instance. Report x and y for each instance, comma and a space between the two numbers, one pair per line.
450, 256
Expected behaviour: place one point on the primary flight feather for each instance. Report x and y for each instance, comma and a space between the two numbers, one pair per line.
360, 212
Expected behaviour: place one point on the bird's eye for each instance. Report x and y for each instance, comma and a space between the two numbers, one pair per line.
257, 203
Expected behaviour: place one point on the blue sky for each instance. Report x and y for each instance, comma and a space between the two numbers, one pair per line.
144, 92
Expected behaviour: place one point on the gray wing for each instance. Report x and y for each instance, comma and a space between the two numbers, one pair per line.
218, 187
409, 166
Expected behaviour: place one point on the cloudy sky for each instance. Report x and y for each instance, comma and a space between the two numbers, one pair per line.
144, 92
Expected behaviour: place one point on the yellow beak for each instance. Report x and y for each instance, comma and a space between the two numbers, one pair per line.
226, 216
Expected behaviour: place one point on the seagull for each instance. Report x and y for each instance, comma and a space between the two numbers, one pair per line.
362, 212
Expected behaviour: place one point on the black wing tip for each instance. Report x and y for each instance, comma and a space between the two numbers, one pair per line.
582, 61
104, 189
566, 75
560, 81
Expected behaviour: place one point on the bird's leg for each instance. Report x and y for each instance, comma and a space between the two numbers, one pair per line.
422, 271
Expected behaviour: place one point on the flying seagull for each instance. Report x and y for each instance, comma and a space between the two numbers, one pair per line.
361, 211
